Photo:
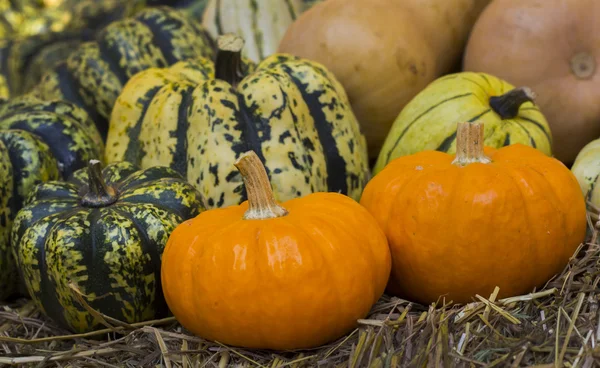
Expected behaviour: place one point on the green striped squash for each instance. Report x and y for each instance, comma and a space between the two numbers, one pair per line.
100, 237
198, 118
94, 74
586, 169
429, 120
39, 141
25, 161
262, 23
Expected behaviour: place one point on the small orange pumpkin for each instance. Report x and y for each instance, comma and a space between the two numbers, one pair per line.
271, 276
460, 226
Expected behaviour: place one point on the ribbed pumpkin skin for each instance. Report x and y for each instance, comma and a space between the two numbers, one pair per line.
292, 112
456, 231
25, 161
94, 74
586, 169
428, 122
261, 23
111, 252
66, 128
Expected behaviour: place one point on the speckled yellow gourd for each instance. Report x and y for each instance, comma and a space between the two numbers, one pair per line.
586, 169
199, 118
101, 234
429, 120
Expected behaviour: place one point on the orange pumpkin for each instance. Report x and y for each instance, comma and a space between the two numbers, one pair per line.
271, 276
460, 226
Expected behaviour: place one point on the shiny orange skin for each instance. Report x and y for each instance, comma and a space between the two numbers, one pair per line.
292, 282
460, 231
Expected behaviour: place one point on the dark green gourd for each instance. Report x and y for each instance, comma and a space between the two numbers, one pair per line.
102, 234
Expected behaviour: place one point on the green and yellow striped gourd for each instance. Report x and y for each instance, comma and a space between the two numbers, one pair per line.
586, 169
198, 118
39, 141
262, 23
100, 237
94, 74
429, 120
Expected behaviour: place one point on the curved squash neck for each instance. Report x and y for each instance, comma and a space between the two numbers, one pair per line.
99, 194
508, 104
228, 64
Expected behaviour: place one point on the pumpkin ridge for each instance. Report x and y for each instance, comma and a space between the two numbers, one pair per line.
428, 110
19, 145
159, 24
158, 302
163, 174
245, 116
228, 68
69, 89
150, 22
107, 54
135, 150
63, 144
337, 174
177, 204
180, 154
45, 293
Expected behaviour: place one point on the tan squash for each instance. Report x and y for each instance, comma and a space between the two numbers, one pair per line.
383, 51
552, 46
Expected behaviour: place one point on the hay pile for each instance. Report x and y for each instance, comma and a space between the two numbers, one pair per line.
558, 324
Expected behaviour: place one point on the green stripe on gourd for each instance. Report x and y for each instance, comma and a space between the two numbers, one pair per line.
101, 234
429, 120
292, 112
66, 128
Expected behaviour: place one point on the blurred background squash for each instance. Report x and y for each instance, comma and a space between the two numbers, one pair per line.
552, 46
383, 52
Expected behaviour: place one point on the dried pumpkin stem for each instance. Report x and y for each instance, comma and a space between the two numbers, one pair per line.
99, 194
228, 65
469, 144
508, 104
261, 203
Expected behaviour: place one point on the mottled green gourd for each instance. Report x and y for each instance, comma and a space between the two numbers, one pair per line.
101, 234
94, 74
25, 161
198, 118
39, 141
429, 120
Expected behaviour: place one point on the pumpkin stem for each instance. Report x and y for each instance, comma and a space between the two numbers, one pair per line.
261, 203
99, 194
228, 65
469, 144
508, 104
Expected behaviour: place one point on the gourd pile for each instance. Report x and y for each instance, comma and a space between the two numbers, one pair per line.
249, 166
